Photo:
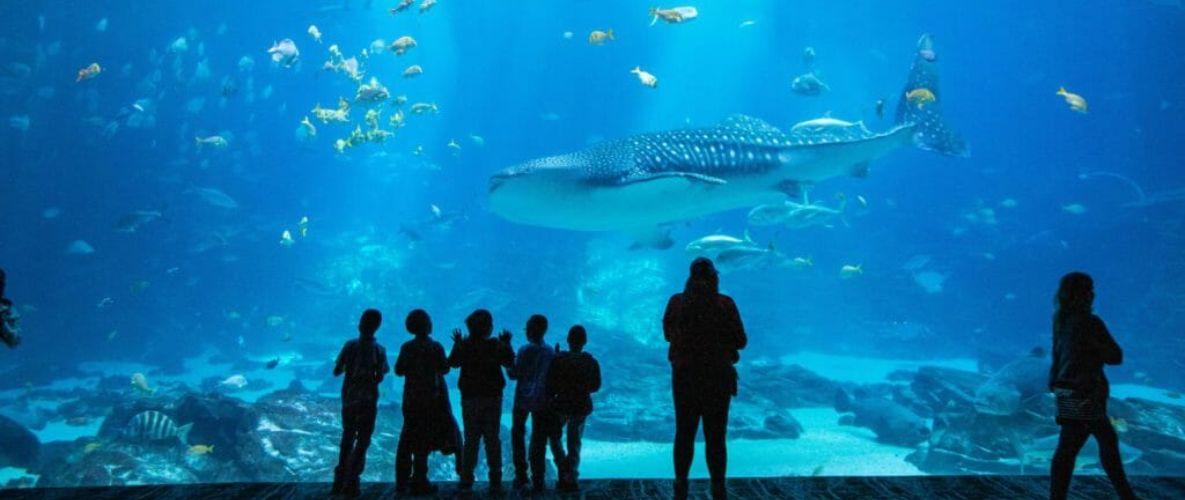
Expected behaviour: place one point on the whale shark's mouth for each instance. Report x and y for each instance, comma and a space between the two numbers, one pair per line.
499, 179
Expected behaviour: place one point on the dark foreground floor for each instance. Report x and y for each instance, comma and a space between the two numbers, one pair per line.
969, 487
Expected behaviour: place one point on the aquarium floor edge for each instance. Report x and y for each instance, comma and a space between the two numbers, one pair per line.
776, 487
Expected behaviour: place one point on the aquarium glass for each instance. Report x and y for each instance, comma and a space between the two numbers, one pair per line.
199, 199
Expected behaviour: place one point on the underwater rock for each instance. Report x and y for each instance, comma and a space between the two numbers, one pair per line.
892, 422
939, 387
774, 425
785, 386
21, 447
1014, 383
118, 463
229, 425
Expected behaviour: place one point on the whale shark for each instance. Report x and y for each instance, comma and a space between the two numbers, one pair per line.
643, 181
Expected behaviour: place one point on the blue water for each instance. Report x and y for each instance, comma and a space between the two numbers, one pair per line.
206, 278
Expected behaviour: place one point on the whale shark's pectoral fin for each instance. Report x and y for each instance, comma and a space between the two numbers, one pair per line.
664, 181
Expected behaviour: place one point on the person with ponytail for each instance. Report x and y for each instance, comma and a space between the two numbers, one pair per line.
1081, 346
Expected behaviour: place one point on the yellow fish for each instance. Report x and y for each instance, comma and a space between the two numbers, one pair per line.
140, 383
92, 447
1076, 102
201, 449
921, 97
598, 37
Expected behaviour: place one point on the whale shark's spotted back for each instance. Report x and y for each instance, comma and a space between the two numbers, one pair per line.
739, 145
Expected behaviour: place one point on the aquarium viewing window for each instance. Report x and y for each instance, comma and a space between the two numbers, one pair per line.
837, 239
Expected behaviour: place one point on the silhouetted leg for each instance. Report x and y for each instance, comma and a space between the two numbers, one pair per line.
366, 415
491, 427
575, 436
470, 413
419, 473
403, 456
349, 433
687, 416
715, 441
1069, 443
537, 454
1104, 434
554, 432
518, 443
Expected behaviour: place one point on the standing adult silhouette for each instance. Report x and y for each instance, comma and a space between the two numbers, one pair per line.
705, 333
1081, 346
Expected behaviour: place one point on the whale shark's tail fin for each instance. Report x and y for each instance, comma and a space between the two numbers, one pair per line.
925, 109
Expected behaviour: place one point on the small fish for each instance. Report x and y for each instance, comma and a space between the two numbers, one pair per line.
286, 239
1008, 203
926, 48
112, 334
673, 15
880, 108
140, 383
420, 108
567, 35
284, 53
412, 71
201, 449
236, 381
139, 286
19, 122
272, 364
315, 33
274, 321
214, 141
309, 128
453, 144
91, 447
80, 247
849, 271
89, 72
214, 197
401, 6
105, 302
402, 44
746, 23
1076, 102
644, 77
1074, 209
802, 262
598, 37
425, 5
1172, 394
303, 226
920, 97
133, 221
101, 26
